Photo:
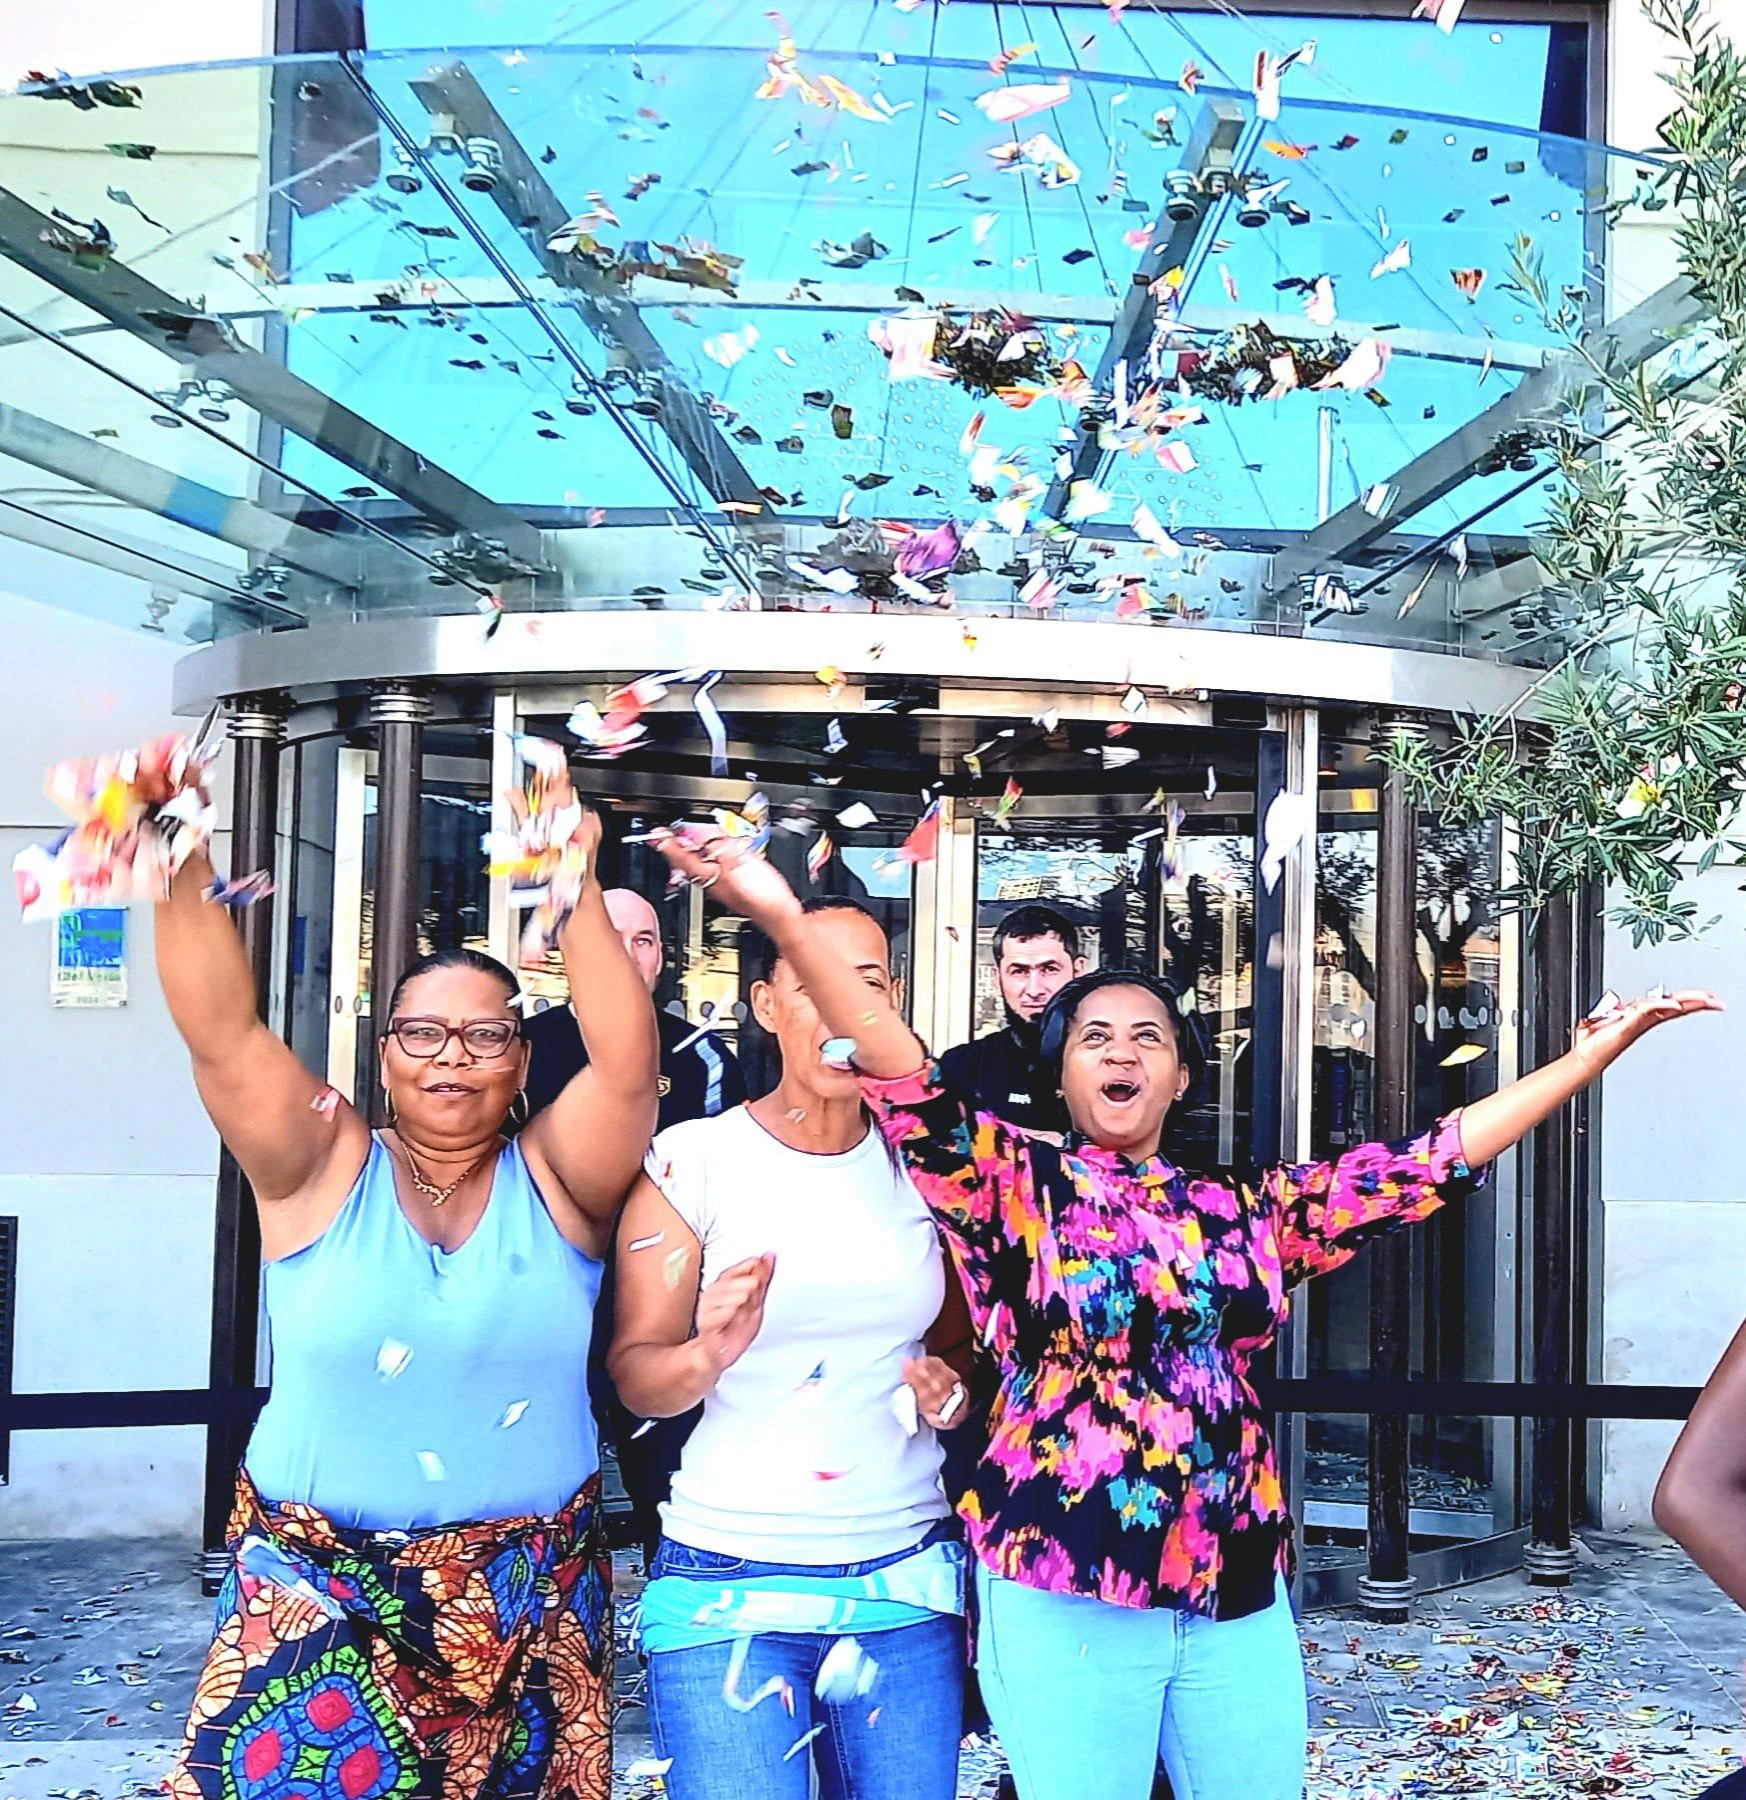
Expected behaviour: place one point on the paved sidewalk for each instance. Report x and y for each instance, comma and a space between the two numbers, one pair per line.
1630, 1683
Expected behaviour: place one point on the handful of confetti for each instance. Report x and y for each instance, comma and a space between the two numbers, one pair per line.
137, 817
543, 856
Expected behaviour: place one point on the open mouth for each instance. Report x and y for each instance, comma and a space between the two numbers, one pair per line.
1119, 1091
448, 1087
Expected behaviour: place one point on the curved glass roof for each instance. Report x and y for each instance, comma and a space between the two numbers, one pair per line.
735, 308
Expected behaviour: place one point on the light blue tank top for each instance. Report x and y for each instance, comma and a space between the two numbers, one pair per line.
417, 1386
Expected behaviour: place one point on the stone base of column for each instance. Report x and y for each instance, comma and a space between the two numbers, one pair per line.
1387, 1602
1549, 1565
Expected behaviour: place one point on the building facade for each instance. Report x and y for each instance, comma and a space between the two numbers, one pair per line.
419, 396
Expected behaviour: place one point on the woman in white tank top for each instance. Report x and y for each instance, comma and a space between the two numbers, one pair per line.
776, 1263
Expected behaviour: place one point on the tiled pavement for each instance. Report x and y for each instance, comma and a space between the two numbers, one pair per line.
1628, 1684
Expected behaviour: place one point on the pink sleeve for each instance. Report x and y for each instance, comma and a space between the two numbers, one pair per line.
1327, 1211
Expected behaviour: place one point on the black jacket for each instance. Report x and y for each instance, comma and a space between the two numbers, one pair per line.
696, 1082
1003, 1074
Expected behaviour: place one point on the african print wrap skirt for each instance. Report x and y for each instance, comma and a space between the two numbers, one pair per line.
458, 1662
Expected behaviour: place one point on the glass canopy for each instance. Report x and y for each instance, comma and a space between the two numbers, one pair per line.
1054, 310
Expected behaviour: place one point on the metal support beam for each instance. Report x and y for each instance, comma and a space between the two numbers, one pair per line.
1386, 1588
151, 488
213, 352
527, 201
1210, 159
257, 730
398, 710
1630, 341
1550, 1558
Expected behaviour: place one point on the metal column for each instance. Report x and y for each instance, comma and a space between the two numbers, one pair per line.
1386, 1588
1550, 1558
398, 711
257, 729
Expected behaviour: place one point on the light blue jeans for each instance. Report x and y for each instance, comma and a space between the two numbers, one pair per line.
1086, 1696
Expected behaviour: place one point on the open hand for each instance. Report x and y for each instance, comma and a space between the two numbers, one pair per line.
939, 1391
727, 867
731, 1310
1599, 1040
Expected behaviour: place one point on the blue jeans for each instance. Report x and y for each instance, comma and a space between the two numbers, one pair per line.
898, 1741
1086, 1696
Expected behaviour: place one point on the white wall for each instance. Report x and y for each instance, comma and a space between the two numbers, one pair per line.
106, 1160
88, 37
1673, 1189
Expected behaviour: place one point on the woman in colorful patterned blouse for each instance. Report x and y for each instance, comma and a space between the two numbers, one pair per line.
1130, 1532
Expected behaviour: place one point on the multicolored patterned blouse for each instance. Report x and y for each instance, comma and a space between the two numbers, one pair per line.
1128, 1455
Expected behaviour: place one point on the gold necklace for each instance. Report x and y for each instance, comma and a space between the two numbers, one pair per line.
435, 1195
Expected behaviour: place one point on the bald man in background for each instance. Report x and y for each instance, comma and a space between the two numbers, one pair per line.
699, 1078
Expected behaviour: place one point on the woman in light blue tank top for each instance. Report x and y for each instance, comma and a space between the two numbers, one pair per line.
419, 1603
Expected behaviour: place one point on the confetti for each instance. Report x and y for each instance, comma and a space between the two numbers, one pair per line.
673, 1266
392, 1358
1399, 257
1442, 13
513, 1414
1468, 282
906, 1409
800, 1743
648, 1243
1464, 1053
857, 816
648, 1768
327, 1103
1001, 106
1289, 818
430, 1466
847, 1673
138, 815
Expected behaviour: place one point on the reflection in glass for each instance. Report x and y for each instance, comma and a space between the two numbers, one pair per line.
1462, 1470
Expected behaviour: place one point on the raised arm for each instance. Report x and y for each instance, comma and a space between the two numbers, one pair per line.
1329, 1210
1700, 1501
755, 888
592, 1137
259, 1096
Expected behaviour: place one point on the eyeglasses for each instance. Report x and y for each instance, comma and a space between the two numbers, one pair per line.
481, 1038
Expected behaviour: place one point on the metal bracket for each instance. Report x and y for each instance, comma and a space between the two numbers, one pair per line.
210, 348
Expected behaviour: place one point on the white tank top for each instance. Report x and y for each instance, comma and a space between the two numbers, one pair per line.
800, 1455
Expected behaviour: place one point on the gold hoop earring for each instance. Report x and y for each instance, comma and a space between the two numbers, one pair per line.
390, 1113
520, 1100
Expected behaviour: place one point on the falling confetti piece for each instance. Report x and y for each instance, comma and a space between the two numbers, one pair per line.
1442, 13
1289, 817
800, 1743
847, 1673
906, 1409
1000, 63
648, 1243
1001, 106
326, 1103
1468, 281
392, 1358
513, 1413
648, 1768
1134, 702
430, 1465
673, 1267
730, 1687
857, 816
1463, 1053
1399, 257
1412, 599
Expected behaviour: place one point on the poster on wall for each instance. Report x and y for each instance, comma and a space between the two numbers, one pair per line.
90, 957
